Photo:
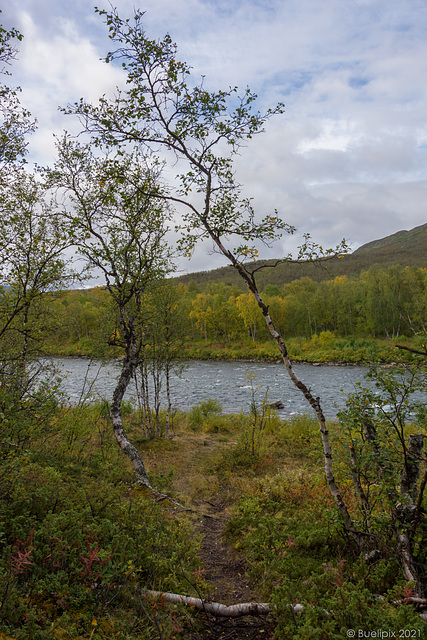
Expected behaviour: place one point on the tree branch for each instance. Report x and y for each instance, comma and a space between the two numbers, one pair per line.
421, 353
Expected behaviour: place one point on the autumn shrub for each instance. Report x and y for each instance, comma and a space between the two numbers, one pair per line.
296, 554
345, 599
383, 434
281, 526
199, 415
299, 435
78, 544
292, 535
27, 410
82, 556
163, 481
207, 417
252, 453
252, 436
326, 347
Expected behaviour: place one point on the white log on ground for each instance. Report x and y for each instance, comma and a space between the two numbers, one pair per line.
251, 608
216, 608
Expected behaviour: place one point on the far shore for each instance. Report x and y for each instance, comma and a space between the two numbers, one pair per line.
323, 350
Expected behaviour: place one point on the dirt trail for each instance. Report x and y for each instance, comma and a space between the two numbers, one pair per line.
226, 574
224, 568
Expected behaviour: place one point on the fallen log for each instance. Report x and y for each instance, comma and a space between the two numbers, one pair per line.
248, 608
218, 609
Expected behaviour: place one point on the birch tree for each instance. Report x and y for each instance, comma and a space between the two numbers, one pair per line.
384, 426
249, 312
15, 121
113, 212
201, 131
164, 337
31, 243
31, 265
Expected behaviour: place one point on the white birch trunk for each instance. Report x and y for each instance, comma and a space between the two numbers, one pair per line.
312, 401
216, 608
128, 370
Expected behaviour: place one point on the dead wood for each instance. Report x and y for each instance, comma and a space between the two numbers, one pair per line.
218, 609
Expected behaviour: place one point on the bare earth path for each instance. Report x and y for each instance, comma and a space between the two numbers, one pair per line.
225, 572
224, 568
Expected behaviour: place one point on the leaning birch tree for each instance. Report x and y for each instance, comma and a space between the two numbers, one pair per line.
201, 131
112, 208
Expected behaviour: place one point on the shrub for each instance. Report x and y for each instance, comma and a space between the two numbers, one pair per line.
76, 540
200, 413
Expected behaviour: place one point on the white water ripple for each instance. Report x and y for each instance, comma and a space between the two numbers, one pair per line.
228, 382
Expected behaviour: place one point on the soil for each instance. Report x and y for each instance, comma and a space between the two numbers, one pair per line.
224, 569
225, 572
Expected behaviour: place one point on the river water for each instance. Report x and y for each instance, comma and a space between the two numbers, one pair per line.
228, 382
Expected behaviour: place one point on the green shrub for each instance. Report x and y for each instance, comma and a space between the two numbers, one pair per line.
75, 555
77, 543
300, 434
338, 600
200, 413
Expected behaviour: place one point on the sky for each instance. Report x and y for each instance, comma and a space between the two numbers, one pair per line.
347, 159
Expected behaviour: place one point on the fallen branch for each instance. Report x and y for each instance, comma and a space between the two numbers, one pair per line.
250, 608
420, 353
411, 600
218, 609
163, 496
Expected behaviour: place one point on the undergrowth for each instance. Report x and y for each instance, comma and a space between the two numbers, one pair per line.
297, 553
80, 544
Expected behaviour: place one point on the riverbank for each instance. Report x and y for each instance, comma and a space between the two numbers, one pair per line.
325, 348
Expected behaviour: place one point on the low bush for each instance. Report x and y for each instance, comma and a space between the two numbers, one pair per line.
200, 415
296, 554
78, 545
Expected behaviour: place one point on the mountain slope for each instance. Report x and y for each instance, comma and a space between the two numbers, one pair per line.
406, 242
405, 248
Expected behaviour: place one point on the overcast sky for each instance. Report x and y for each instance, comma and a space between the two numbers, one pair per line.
349, 156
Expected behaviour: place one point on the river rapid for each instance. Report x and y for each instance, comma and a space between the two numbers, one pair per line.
231, 383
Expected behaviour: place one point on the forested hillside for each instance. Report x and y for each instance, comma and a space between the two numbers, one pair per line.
379, 291
405, 248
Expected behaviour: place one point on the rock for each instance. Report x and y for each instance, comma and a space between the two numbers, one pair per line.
278, 404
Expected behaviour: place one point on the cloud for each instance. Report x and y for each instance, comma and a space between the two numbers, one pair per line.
348, 157
58, 65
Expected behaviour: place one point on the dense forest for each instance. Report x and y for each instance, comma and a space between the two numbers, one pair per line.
349, 313
139, 523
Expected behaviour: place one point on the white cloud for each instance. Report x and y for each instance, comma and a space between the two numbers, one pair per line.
349, 156
55, 71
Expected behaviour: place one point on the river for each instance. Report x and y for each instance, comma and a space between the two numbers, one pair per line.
227, 382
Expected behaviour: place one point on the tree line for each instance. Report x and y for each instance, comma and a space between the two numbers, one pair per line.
380, 303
